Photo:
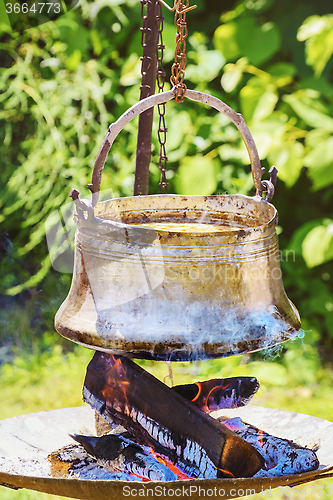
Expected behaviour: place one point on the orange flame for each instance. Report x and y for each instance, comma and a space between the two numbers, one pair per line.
165, 461
116, 383
260, 438
202, 397
226, 473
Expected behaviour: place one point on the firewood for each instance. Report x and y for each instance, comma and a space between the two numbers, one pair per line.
210, 395
282, 456
155, 415
219, 393
120, 454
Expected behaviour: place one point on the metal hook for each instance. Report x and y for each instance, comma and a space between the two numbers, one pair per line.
176, 6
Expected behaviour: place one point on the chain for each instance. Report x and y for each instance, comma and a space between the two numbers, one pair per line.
145, 35
178, 67
162, 130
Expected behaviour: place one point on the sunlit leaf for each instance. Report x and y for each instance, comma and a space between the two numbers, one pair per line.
258, 43
196, 175
225, 40
307, 109
321, 176
73, 61
313, 25
321, 85
282, 69
257, 100
317, 246
131, 71
243, 37
317, 32
208, 66
231, 77
321, 155
180, 126
288, 159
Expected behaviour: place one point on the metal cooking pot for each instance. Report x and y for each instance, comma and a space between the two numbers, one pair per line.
177, 277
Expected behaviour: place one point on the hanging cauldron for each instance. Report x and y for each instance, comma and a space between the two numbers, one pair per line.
177, 277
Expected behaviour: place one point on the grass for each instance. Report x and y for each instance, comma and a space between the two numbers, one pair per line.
292, 379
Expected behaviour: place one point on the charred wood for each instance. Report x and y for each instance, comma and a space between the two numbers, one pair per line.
282, 456
216, 394
156, 416
120, 454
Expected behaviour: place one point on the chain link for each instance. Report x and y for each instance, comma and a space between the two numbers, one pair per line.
145, 35
162, 130
178, 67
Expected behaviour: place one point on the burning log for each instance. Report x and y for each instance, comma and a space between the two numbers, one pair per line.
219, 393
73, 461
120, 454
156, 416
282, 457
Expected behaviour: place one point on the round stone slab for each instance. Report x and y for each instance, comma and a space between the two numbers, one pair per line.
26, 442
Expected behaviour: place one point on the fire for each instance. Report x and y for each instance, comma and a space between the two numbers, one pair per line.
260, 438
165, 461
208, 391
116, 380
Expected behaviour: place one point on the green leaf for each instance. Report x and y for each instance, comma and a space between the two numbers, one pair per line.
317, 32
320, 159
96, 41
229, 152
288, 159
225, 41
307, 109
231, 77
282, 69
131, 71
257, 100
321, 85
317, 246
257, 43
196, 175
321, 176
313, 25
208, 66
243, 37
73, 61
321, 155
296, 241
180, 126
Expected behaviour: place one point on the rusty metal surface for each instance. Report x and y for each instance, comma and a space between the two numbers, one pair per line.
26, 441
205, 282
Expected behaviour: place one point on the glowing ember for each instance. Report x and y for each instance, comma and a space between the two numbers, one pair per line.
282, 456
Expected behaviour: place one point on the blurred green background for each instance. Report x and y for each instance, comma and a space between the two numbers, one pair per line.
64, 82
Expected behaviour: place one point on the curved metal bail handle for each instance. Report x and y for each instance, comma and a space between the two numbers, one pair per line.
164, 97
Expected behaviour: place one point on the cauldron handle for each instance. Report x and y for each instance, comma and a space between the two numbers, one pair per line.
163, 97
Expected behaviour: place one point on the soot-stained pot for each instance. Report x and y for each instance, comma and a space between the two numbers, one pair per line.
177, 277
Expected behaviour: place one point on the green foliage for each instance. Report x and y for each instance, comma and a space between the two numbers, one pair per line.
317, 31
317, 246
48, 378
